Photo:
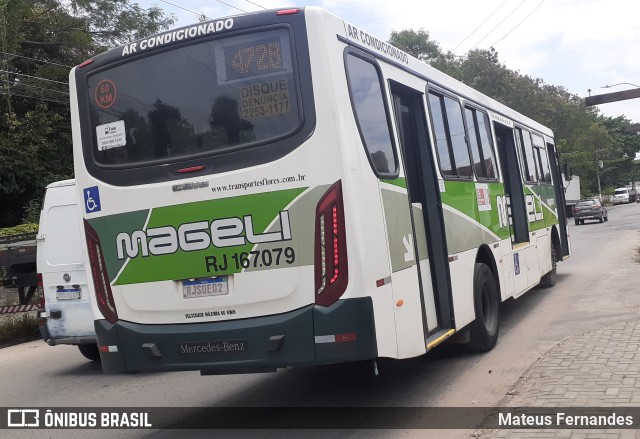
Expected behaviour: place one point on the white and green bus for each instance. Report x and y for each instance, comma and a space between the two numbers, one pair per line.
282, 188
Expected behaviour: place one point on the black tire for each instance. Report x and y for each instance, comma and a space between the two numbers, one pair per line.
581, 221
577, 222
549, 279
484, 329
90, 351
601, 219
606, 217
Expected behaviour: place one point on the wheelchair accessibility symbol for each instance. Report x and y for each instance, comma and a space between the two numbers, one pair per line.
91, 199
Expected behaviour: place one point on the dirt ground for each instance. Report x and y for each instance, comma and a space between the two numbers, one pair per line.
8, 297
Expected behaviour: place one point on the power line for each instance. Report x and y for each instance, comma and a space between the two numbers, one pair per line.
21, 95
20, 84
234, 7
35, 59
34, 77
485, 20
260, 6
496, 26
185, 9
530, 13
200, 14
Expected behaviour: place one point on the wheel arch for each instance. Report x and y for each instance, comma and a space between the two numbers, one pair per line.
485, 256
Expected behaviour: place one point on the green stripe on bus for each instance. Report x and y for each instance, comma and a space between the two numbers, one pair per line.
261, 209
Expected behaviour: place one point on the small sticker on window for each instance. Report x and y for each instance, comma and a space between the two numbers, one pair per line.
111, 135
105, 93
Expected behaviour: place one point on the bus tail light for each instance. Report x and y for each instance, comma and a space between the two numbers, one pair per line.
331, 271
288, 11
101, 283
42, 304
41, 290
85, 63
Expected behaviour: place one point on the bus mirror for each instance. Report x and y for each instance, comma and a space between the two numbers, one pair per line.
566, 170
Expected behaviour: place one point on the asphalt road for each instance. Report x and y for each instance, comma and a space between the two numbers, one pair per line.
597, 287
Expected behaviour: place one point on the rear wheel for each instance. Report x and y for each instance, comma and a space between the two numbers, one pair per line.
601, 219
90, 351
581, 221
549, 279
484, 329
577, 221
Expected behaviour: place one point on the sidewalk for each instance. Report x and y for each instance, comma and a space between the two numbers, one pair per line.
600, 368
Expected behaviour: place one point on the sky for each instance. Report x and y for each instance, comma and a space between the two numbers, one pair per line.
580, 45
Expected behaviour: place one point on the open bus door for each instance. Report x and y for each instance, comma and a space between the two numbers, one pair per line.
512, 183
426, 210
556, 175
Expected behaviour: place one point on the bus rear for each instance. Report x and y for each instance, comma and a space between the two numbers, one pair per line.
214, 215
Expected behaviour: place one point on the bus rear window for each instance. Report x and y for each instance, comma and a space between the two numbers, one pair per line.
195, 100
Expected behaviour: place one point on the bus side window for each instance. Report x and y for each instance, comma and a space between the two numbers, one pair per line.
543, 158
440, 134
371, 113
449, 133
526, 153
484, 160
458, 138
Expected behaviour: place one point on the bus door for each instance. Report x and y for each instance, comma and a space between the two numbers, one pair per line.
516, 208
426, 209
556, 177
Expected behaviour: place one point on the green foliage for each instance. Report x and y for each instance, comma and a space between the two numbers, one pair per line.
19, 230
416, 43
35, 150
35, 126
32, 211
115, 22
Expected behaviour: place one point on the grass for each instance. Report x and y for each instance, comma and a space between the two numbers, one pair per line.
18, 328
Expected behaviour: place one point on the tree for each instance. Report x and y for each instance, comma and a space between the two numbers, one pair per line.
581, 134
113, 23
416, 43
39, 42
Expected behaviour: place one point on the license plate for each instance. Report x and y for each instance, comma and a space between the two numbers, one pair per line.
217, 286
68, 294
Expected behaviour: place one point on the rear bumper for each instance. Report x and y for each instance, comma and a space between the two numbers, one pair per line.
588, 216
342, 332
45, 333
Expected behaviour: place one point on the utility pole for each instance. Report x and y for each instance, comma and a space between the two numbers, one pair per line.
598, 166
